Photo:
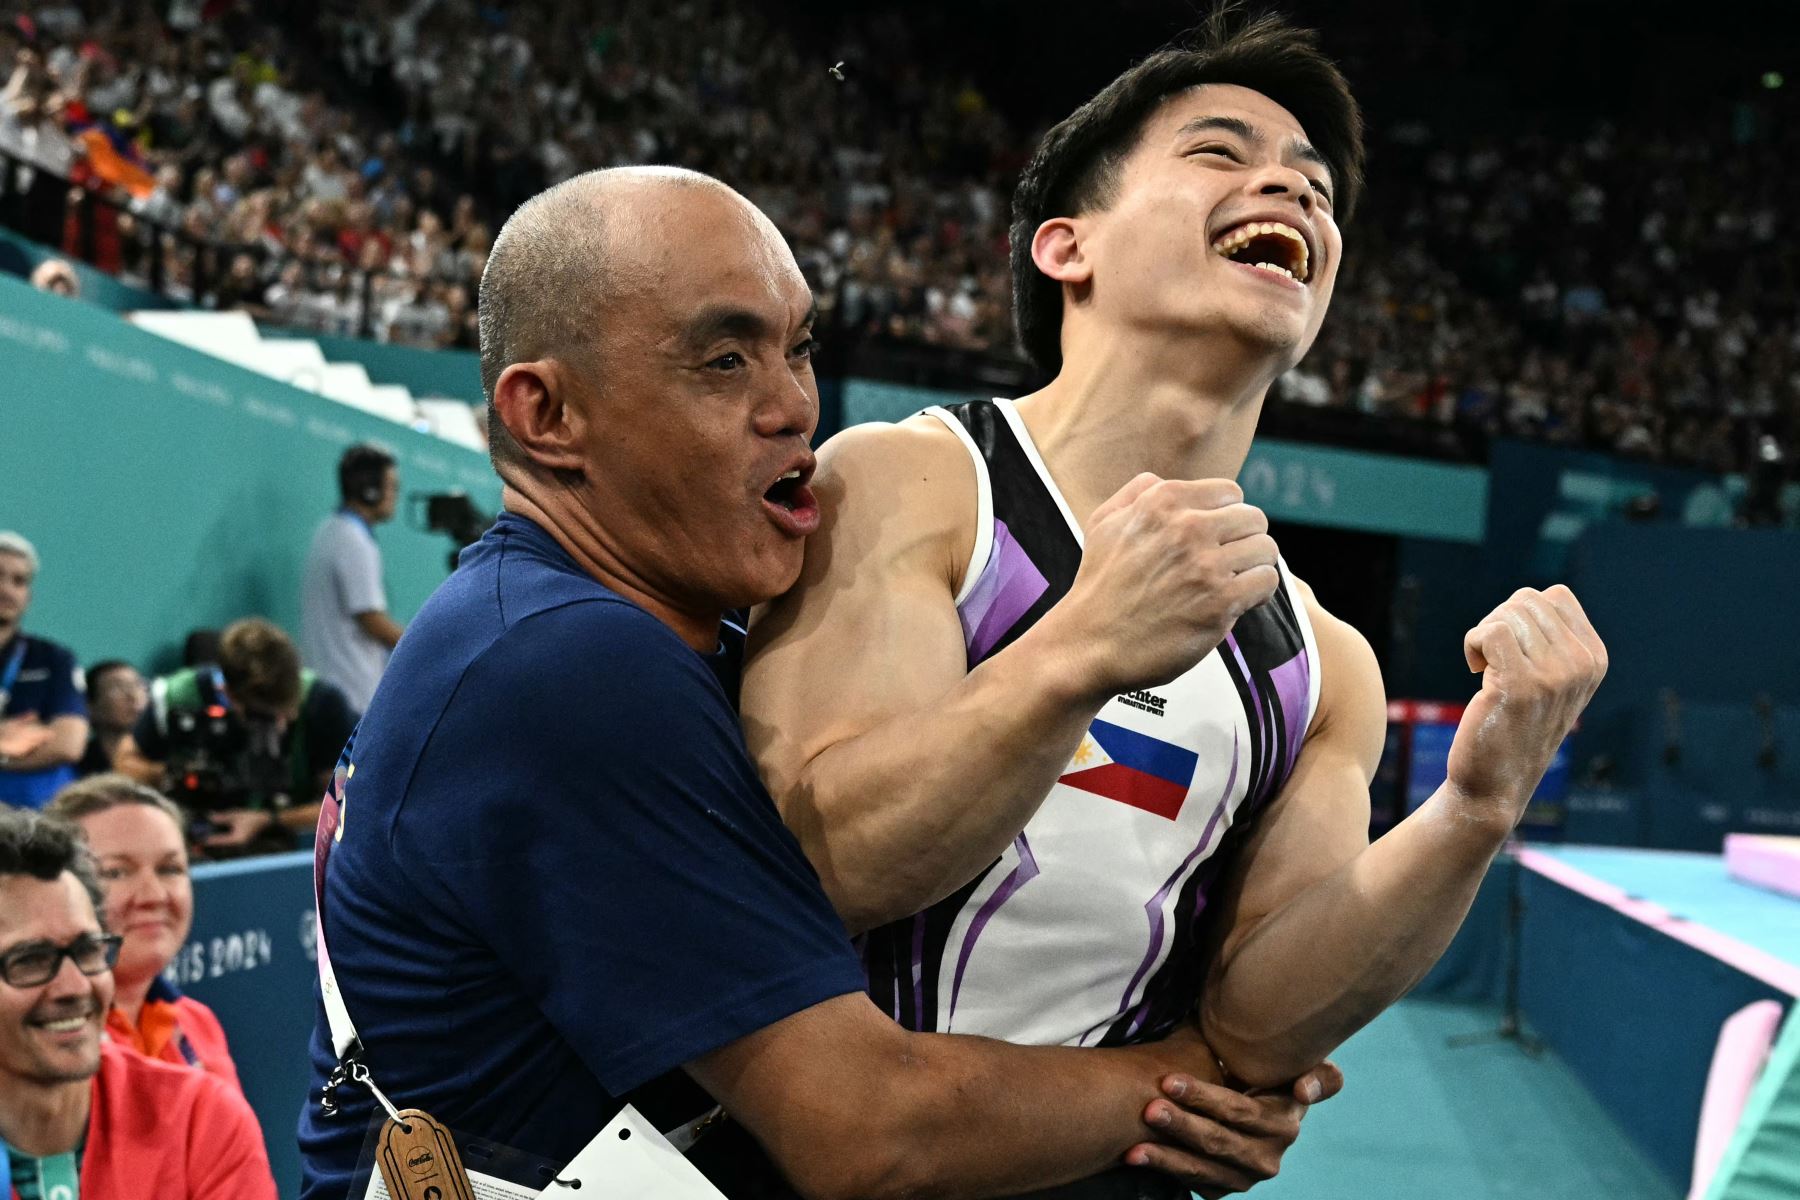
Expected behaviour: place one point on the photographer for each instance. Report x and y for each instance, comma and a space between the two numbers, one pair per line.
344, 622
247, 744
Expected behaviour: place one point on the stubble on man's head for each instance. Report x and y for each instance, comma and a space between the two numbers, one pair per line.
563, 260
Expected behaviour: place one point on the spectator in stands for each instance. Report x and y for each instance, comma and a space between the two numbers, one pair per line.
249, 742
242, 288
32, 131
117, 696
55, 275
139, 840
80, 1114
345, 630
898, 232
43, 702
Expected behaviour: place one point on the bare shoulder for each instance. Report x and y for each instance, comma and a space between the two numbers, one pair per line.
907, 489
1352, 699
1341, 644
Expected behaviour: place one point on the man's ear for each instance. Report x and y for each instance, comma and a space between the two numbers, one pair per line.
533, 401
1057, 251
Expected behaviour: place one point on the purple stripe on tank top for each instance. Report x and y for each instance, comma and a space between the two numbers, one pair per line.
1154, 908
1009, 585
1292, 680
1021, 875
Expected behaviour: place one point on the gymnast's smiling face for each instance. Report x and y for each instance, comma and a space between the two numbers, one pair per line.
1219, 218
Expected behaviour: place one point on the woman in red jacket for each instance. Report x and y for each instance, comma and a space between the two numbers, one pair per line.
78, 1114
136, 834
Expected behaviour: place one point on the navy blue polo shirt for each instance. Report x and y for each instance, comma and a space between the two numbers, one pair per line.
48, 682
559, 877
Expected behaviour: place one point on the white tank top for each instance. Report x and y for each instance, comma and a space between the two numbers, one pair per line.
1086, 931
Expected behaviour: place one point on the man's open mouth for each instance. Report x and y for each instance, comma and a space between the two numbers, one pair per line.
1272, 246
790, 502
790, 491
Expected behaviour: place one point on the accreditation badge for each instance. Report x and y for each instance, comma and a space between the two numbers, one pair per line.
627, 1160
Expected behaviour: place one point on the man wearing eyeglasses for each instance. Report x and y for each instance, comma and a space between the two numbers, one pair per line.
80, 1116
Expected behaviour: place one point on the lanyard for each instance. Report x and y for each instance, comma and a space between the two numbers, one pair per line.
58, 1176
10, 675
344, 1042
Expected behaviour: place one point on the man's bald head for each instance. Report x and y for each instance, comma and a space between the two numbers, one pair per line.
557, 261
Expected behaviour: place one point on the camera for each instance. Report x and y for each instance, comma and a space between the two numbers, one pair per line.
220, 760
454, 514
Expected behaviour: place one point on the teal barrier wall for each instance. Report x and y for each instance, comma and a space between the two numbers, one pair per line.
250, 959
20, 255
1376, 493
1633, 1012
453, 373
1315, 485
1545, 498
167, 490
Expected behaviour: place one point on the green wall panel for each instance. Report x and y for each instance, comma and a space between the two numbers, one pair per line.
166, 490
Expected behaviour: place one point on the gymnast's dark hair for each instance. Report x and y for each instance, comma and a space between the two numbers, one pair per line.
1075, 168
43, 848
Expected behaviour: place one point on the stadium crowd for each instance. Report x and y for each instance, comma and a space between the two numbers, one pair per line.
1554, 287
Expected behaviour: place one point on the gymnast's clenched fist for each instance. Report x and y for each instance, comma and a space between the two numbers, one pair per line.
1540, 663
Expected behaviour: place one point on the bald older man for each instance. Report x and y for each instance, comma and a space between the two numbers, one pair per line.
551, 880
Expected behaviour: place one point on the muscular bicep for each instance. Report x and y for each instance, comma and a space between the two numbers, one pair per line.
870, 632
1320, 819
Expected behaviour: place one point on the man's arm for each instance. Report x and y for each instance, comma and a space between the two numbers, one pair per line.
902, 772
1318, 931
356, 574
381, 627
849, 1104
64, 742
673, 920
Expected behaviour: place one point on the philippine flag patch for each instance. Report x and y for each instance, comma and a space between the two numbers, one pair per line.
1132, 768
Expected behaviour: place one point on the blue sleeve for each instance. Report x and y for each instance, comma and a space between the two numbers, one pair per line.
614, 845
66, 690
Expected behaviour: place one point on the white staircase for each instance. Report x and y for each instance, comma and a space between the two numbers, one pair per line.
298, 362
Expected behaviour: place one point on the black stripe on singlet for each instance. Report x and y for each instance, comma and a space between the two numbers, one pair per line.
1267, 636
888, 955
1026, 505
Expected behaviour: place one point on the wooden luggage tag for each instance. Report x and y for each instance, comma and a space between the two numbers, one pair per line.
419, 1160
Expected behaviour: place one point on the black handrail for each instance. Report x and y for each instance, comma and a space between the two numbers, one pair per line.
207, 252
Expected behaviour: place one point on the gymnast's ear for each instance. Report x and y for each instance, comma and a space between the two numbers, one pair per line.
1056, 249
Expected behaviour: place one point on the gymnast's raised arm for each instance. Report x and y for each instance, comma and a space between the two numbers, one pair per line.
1316, 931
904, 773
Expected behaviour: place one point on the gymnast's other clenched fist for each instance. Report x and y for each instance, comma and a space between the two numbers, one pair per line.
1540, 663
1168, 567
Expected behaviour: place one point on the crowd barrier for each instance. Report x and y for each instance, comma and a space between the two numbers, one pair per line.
250, 958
